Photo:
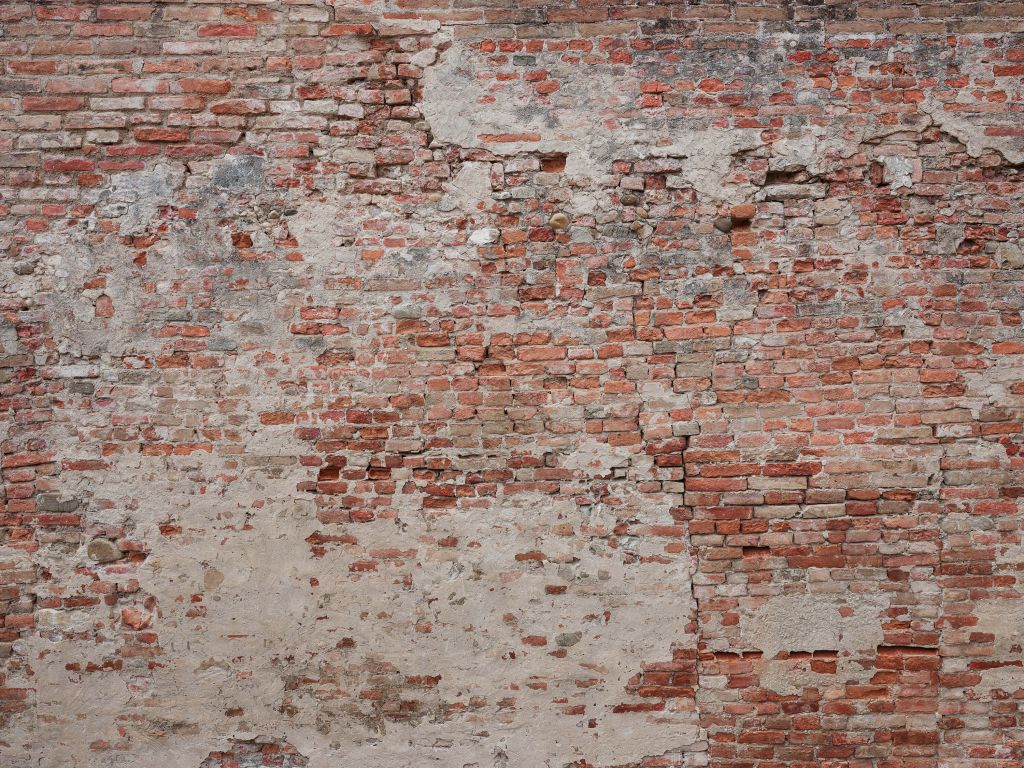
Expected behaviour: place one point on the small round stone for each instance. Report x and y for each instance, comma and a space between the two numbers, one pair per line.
629, 199
559, 221
723, 224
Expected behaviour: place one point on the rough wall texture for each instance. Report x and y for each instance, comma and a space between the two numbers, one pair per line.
496, 384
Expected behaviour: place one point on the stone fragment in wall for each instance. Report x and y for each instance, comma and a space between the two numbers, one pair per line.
470, 188
484, 236
899, 171
239, 173
1010, 256
559, 221
53, 503
104, 551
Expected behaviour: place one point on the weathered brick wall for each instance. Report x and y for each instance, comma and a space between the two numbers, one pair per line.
487, 383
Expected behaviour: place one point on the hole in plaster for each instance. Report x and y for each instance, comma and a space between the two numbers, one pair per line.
553, 163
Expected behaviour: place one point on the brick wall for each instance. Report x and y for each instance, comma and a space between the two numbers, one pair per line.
399, 382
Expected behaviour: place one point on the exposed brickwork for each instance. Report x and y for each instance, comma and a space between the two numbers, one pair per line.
256, 754
395, 382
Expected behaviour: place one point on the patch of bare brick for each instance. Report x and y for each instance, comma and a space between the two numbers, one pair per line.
501, 384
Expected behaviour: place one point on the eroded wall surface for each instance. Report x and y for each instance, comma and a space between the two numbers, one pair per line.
400, 383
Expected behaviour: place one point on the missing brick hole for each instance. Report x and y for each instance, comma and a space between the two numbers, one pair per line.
830, 655
553, 163
785, 177
753, 551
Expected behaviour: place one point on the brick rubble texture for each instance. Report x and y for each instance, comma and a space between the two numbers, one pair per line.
511, 384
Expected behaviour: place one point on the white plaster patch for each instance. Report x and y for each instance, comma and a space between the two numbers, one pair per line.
597, 458
898, 171
815, 622
135, 197
1005, 620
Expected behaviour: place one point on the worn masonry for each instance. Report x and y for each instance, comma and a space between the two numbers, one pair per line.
492, 384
